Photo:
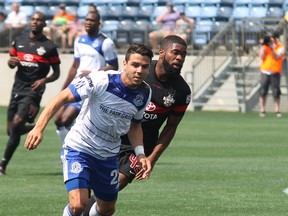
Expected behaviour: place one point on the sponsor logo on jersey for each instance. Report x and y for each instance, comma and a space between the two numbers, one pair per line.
139, 100
28, 64
168, 100
20, 46
151, 107
149, 116
113, 112
41, 51
28, 57
76, 167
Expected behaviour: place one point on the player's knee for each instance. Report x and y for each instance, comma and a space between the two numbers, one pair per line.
124, 181
107, 211
77, 207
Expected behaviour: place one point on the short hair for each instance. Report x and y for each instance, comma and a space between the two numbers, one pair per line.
41, 14
96, 13
141, 49
169, 40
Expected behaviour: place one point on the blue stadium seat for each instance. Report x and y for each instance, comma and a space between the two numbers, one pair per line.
240, 12
181, 2
276, 3
123, 32
259, 2
87, 2
82, 11
145, 12
228, 3
193, 12
133, 2
258, 12
211, 2
149, 2
139, 34
114, 12
27, 9
157, 11
224, 13
66, 2
241, 3
130, 12
9, 2
109, 28
209, 12
275, 12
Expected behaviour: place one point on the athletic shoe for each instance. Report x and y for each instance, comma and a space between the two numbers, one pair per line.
2, 171
262, 114
278, 114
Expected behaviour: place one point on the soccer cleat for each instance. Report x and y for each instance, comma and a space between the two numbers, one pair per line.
262, 114
278, 114
2, 171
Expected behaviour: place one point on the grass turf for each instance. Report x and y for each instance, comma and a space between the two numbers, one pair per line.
219, 163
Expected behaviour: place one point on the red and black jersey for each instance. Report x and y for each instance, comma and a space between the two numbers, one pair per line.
171, 97
35, 56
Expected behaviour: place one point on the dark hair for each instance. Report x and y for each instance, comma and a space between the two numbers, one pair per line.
41, 14
167, 41
141, 49
276, 34
96, 13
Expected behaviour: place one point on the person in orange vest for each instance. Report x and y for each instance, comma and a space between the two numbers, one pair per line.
272, 54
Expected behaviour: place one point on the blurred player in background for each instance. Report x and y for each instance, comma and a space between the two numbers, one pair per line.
32, 55
92, 51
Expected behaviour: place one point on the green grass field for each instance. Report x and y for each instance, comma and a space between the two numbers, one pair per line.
219, 164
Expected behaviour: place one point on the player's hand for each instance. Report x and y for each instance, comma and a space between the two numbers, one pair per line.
13, 61
38, 84
33, 139
145, 171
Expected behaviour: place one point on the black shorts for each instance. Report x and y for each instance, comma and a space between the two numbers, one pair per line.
21, 105
272, 80
127, 162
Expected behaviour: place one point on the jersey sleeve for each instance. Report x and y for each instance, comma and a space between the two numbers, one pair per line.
182, 101
92, 84
76, 50
109, 51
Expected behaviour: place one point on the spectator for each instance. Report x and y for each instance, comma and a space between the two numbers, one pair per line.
75, 30
272, 54
168, 20
60, 26
15, 22
2, 21
184, 27
33, 55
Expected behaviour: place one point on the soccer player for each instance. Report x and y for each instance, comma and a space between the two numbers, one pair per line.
32, 55
170, 98
92, 51
116, 102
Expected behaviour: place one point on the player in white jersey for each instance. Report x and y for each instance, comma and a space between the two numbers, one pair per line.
116, 102
92, 51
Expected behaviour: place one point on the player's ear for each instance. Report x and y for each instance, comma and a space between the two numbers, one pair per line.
161, 53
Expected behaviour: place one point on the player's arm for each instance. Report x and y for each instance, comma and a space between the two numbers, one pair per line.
111, 66
110, 55
35, 135
135, 135
42, 82
165, 138
72, 73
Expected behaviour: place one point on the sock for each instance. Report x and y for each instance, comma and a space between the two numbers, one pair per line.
67, 211
93, 211
62, 132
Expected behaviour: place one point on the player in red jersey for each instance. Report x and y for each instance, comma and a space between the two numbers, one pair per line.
33, 55
171, 96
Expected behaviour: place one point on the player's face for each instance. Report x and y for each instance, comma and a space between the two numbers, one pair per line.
173, 58
91, 23
37, 23
136, 70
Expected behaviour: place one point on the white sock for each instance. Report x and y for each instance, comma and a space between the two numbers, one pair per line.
67, 211
62, 132
93, 211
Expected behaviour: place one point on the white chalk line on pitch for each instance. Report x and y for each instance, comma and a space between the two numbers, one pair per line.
285, 191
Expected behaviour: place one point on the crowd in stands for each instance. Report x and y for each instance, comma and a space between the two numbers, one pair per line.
140, 20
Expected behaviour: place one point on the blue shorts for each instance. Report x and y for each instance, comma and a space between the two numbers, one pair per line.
81, 170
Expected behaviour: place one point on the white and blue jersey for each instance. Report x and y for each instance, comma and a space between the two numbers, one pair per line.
110, 109
94, 53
